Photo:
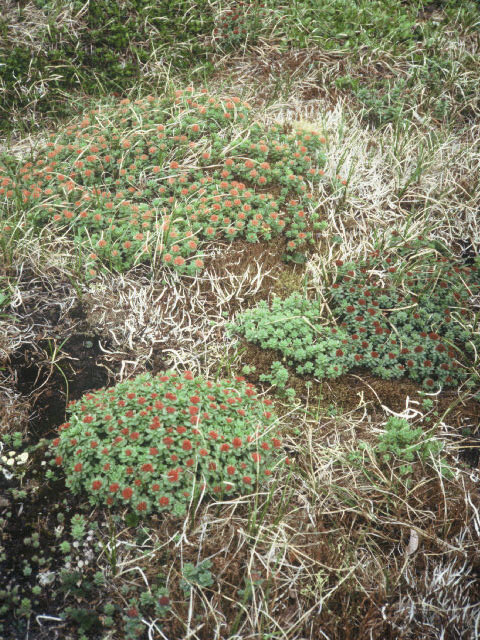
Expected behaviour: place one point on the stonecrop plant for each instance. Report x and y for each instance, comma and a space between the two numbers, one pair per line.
157, 442
401, 445
293, 327
158, 178
239, 24
405, 312
400, 439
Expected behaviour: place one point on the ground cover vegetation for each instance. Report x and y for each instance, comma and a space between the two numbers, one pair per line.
394, 320
239, 320
137, 467
52, 48
178, 179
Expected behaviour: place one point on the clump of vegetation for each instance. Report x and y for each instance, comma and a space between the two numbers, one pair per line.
399, 313
401, 440
407, 312
401, 445
158, 178
196, 575
278, 376
447, 93
239, 25
383, 102
346, 24
293, 327
155, 443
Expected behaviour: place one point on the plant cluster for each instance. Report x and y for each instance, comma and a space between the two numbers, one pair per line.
239, 25
153, 602
12, 459
351, 24
292, 327
158, 178
155, 443
196, 575
407, 313
278, 376
398, 312
402, 445
384, 100
401, 440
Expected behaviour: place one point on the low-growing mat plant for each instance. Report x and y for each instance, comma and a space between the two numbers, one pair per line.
403, 311
291, 326
157, 179
399, 447
156, 443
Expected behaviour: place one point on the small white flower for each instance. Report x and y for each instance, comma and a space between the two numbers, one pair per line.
46, 578
22, 458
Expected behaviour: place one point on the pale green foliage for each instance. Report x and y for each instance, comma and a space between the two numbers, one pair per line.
278, 376
401, 445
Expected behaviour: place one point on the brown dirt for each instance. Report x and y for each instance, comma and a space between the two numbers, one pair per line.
240, 255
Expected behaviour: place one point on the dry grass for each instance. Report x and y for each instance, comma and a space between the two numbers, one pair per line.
326, 549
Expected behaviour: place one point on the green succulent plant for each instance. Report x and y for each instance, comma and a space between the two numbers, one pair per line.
396, 314
155, 442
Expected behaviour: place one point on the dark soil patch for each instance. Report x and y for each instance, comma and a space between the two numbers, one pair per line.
58, 360
52, 378
47, 379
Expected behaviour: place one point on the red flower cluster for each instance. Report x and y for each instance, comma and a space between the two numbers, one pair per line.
160, 468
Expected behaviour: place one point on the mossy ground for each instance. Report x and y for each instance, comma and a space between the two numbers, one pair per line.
332, 548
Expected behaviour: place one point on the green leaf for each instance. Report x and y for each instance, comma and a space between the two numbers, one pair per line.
131, 519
